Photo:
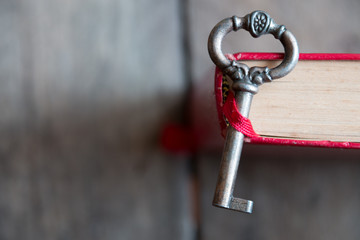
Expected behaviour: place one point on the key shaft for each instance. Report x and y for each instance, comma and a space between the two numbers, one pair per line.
230, 162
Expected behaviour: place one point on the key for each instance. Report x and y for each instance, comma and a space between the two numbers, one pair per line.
245, 84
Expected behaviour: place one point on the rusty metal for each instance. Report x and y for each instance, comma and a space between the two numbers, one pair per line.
245, 84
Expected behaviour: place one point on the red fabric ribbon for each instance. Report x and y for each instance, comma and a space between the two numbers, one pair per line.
229, 110
235, 119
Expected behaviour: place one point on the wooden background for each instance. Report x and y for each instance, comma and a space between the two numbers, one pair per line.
85, 88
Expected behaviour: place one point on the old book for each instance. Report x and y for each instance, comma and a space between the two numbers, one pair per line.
317, 104
318, 101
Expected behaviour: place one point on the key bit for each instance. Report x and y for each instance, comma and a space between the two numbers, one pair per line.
245, 83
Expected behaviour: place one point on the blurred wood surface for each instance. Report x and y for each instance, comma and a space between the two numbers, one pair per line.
85, 88
298, 193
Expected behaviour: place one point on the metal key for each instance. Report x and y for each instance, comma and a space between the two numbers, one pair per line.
245, 82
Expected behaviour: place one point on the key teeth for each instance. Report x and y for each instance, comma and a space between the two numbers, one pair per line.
237, 204
241, 205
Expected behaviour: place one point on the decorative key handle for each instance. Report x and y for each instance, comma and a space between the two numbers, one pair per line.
245, 83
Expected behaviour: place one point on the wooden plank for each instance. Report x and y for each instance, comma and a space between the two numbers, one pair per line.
299, 193
85, 89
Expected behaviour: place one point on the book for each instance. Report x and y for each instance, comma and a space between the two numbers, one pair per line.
316, 105
319, 101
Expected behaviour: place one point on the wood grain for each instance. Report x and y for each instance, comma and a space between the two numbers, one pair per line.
84, 90
85, 87
298, 193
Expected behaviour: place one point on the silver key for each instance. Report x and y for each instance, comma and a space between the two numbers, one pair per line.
245, 83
